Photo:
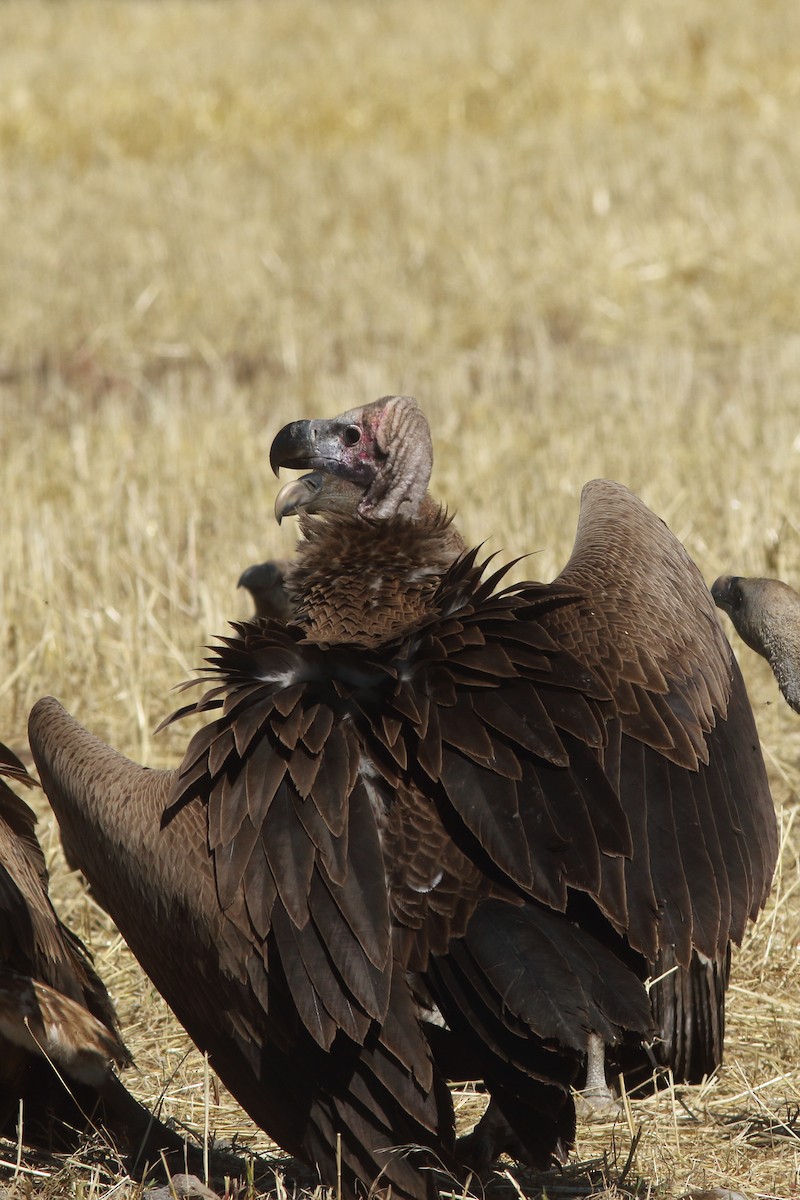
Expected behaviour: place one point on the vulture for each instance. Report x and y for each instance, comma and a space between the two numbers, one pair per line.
266, 583
437, 825
766, 615
56, 1017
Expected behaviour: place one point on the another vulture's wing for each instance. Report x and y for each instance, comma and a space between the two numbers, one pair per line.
53, 1005
58, 1030
32, 938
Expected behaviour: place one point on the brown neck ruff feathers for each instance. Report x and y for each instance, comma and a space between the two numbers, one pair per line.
364, 581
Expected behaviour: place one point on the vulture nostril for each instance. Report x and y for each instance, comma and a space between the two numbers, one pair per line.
352, 435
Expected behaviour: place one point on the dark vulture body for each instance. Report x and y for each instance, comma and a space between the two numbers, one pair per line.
53, 1005
766, 614
436, 796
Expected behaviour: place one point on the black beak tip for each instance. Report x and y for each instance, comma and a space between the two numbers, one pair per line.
276, 453
290, 446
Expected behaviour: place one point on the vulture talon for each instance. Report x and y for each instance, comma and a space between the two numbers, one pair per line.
492, 1136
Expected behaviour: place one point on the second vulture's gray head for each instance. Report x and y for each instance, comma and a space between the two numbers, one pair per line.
383, 450
266, 583
766, 614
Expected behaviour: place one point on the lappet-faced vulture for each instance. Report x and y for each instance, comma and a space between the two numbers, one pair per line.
766, 614
58, 1031
432, 794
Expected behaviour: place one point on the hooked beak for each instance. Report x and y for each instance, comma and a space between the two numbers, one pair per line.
294, 446
298, 494
323, 446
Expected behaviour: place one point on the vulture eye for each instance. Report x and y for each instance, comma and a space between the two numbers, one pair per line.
352, 435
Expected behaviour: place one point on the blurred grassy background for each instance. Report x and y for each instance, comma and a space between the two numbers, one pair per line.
571, 229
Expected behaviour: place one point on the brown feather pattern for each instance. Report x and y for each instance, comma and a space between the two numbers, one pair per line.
56, 1017
501, 758
433, 788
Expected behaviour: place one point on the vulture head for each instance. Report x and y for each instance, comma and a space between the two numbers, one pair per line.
766, 614
384, 448
370, 566
266, 583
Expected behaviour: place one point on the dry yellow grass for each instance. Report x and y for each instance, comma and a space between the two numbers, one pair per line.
571, 230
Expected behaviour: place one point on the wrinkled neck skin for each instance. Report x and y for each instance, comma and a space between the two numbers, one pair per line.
366, 581
403, 437
782, 652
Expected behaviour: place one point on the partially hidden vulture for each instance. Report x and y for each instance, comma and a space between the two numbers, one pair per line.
59, 1035
766, 615
436, 826
266, 583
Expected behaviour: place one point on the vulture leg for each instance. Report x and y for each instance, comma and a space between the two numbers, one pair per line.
595, 1090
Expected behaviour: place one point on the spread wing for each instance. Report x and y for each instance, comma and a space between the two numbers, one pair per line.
683, 750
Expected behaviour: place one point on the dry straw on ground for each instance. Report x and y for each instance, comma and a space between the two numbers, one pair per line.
572, 230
